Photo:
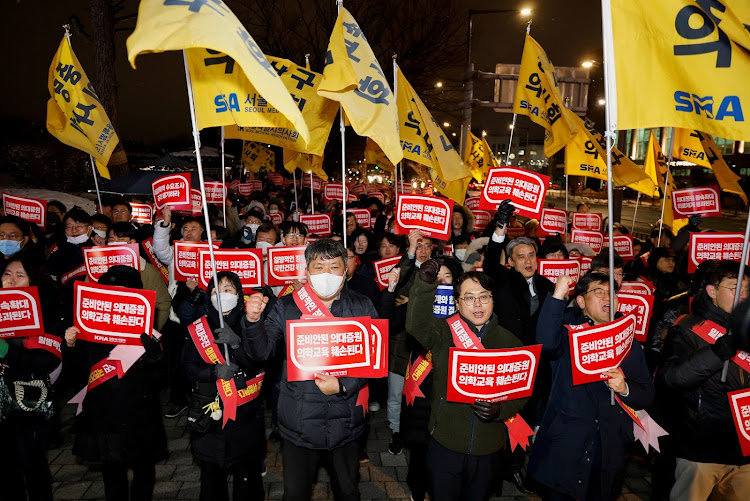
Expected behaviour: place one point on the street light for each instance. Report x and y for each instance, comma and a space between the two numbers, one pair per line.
439, 85
602, 102
446, 124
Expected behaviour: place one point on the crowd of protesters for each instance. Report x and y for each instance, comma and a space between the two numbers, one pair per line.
488, 280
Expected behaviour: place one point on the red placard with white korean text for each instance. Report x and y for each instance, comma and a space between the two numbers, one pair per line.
234, 185
553, 220
187, 259
739, 401
481, 219
172, 190
640, 305
333, 191
594, 239
148, 246
20, 312
590, 221
142, 213
276, 217
492, 375
472, 203
624, 246
641, 288
378, 195
363, 217
317, 183
330, 345
319, 224
255, 185
246, 263
585, 263
286, 265
405, 188
379, 346
33, 210
358, 189
100, 258
112, 315
382, 268
705, 246
596, 349
276, 178
705, 201
430, 215
526, 190
216, 192
245, 189
553, 268
448, 250
196, 203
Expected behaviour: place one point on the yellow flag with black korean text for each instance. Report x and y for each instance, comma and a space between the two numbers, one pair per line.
209, 24
478, 157
74, 114
538, 97
682, 63
254, 156
455, 190
686, 146
655, 165
724, 175
374, 156
353, 77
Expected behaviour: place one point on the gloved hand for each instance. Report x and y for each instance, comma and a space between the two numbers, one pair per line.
428, 272
197, 297
486, 411
226, 371
504, 211
726, 346
225, 335
695, 220
153, 350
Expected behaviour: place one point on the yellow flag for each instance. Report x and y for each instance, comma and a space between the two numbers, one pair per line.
374, 156
655, 165
224, 96
102, 170
74, 114
688, 147
455, 190
305, 162
489, 157
724, 175
538, 97
353, 77
177, 24
478, 157
254, 156
682, 63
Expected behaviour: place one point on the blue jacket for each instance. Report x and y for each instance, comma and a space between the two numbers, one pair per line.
580, 427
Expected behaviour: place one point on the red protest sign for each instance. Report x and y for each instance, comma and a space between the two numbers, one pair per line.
585, 263
594, 239
636, 288
705, 246
334, 346
553, 268
525, 188
472, 203
377, 194
32, 210
492, 375
379, 344
246, 263
704, 201
591, 221
112, 315
430, 215
20, 313
382, 268
142, 213
362, 216
286, 264
404, 187
358, 189
244, 189
172, 190
640, 305
255, 185
333, 191
553, 220
187, 259
739, 401
319, 224
596, 349
276, 217
216, 192
196, 203
100, 258
481, 219
276, 178
148, 246
317, 183
624, 246
234, 185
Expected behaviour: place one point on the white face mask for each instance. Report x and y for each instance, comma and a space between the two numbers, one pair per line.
78, 240
228, 301
326, 284
460, 254
263, 245
253, 227
101, 233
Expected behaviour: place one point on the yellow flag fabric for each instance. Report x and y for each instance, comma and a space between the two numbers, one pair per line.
688, 147
353, 77
254, 156
724, 175
455, 190
177, 24
655, 166
682, 63
374, 156
538, 97
74, 114
102, 170
224, 96
476, 158
305, 162
489, 157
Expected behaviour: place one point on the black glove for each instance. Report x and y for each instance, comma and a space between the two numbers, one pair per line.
695, 220
428, 272
197, 297
226, 371
150, 344
726, 346
225, 335
504, 211
486, 411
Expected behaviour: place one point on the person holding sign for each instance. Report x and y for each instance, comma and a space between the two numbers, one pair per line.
319, 420
580, 424
467, 440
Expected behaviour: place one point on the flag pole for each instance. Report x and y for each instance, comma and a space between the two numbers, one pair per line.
296, 203
565, 232
223, 180
513, 125
96, 182
666, 184
312, 194
637, 201
342, 129
197, 142
395, 93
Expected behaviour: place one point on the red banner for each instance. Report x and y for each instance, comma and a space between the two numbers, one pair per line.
590, 221
492, 375
594, 239
142, 213
472, 203
246, 263
216, 192
379, 345
596, 349
553, 220
382, 268
481, 219
234, 185
641, 288
404, 188
33, 210
20, 313
357, 189
624, 246
553, 268
276, 217
362, 216
187, 259
640, 305
196, 203
100, 258
148, 245
525, 188
430, 215
585, 264
739, 401
255, 185
112, 315
276, 178
244, 189
319, 224
172, 190
705, 246
333, 191
704, 201
317, 183
286, 264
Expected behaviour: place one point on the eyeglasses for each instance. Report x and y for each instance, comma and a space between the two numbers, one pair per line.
11, 236
79, 226
295, 235
484, 299
599, 292
744, 291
